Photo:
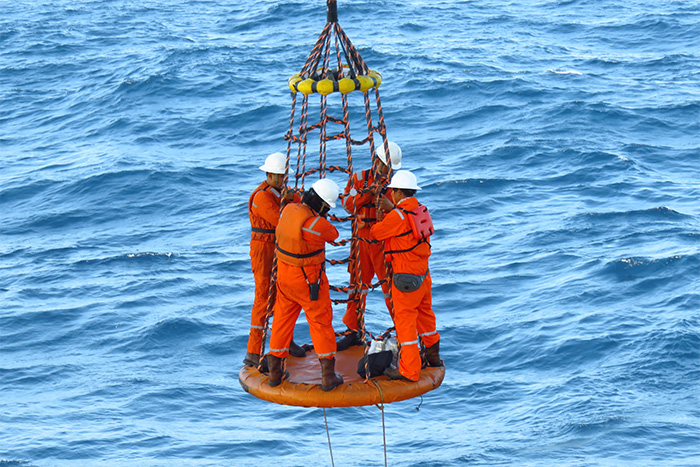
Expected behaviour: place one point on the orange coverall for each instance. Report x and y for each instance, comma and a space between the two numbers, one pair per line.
371, 254
301, 232
264, 213
413, 313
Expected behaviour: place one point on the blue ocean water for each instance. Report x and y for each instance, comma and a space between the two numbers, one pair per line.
558, 145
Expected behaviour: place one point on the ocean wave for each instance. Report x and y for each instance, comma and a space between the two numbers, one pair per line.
653, 214
169, 330
634, 268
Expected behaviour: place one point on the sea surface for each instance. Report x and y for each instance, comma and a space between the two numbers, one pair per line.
558, 146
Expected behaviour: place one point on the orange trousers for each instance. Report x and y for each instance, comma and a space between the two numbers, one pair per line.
371, 263
292, 297
414, 319
261, 256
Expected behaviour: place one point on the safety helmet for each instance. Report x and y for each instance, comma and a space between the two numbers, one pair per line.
274, 163
404, 179
394, 152
327, 190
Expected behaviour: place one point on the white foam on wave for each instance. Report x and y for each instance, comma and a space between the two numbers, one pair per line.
565, 72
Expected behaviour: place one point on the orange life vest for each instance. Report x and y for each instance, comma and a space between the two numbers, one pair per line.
291, 248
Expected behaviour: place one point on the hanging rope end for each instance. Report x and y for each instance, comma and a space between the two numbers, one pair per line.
421, 403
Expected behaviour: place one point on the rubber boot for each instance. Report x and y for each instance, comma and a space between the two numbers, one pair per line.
432, 354
329, 378
296, 350
275, 366
251, 359
348, 340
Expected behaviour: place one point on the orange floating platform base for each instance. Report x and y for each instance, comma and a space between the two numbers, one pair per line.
303, 388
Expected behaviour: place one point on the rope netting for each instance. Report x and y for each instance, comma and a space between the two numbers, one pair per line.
335, 68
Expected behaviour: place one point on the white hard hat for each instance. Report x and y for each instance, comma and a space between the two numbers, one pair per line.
394, 151
327, 190
404, 179
274, 163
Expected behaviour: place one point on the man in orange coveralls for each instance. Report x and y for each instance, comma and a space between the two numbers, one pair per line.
357, 200
302, 234
410, 285
264, 212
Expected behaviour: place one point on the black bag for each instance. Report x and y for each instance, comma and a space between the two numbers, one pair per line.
408, 282
378, 362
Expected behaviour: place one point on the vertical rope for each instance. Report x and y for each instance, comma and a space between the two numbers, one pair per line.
370, 133
303, 131
272, 295
383, 433
324, 120
344, 101
380, 406
382, 132
328, 434
290, 138
322, 140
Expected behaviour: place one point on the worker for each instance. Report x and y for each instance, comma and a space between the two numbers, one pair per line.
359, 198
302, 233
407, 247
264, 212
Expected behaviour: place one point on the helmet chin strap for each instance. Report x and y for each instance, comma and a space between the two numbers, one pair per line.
312, 200
324, 210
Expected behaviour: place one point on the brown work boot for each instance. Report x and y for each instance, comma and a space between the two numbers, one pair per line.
296, 350
394, 373
329, 378
251, 359
275, 366
432, 354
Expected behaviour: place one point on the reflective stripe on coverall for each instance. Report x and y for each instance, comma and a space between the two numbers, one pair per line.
413, 313
301, 238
